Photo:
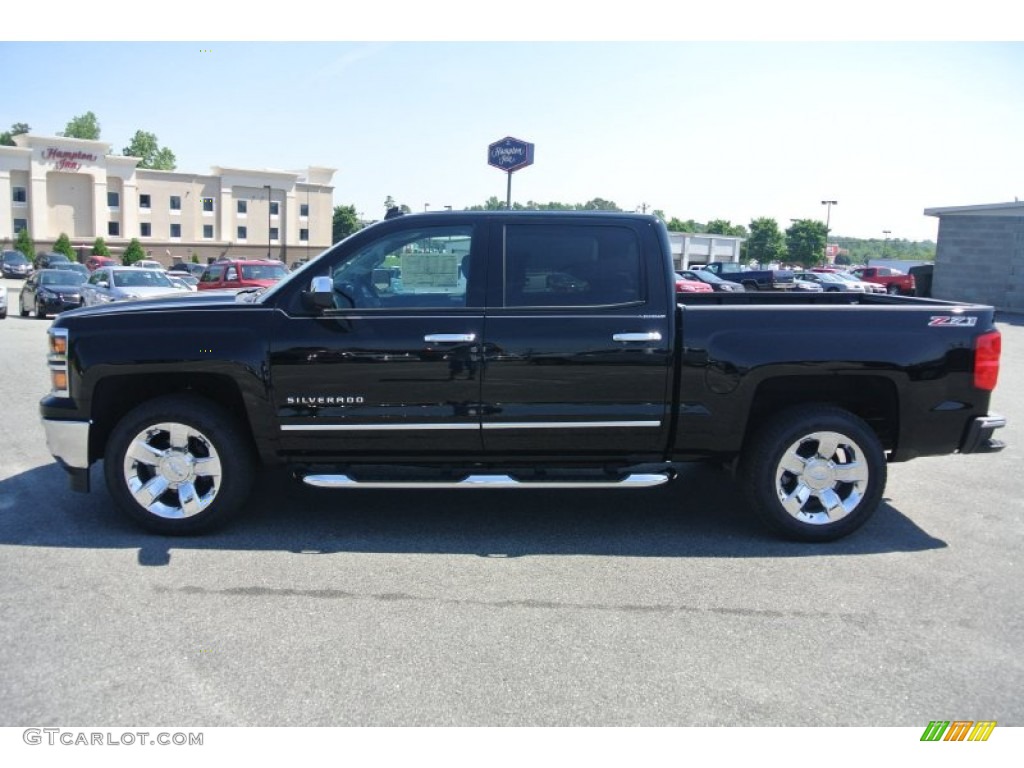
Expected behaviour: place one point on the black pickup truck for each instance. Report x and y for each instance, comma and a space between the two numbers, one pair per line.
753, 279
514, 350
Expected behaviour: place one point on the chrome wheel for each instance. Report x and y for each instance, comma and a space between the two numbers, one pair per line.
814, 472
821, 478
172, 470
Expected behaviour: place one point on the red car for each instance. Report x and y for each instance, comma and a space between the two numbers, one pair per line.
241, 273
691, 286
94, 262
893, 280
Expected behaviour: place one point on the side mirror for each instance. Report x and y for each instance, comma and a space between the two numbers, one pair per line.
321, 292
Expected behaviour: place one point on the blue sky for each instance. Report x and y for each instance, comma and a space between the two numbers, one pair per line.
698, 129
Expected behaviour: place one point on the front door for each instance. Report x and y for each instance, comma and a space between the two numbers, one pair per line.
393, 371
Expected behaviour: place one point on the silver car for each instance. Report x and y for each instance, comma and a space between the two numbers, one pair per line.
109, 284
829, 281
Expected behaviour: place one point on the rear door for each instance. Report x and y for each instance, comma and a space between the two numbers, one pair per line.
578, 344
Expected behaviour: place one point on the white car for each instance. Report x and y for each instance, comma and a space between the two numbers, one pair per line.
862, 285
148, 264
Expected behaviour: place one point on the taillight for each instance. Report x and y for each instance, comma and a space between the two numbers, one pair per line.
987, 348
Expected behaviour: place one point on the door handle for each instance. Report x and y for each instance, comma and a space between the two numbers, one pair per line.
647, 336
448, 338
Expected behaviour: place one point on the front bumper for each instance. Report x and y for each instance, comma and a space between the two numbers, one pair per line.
978, 438
68, 442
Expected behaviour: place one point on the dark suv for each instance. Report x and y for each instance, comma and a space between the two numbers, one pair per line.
47, 260
14, 264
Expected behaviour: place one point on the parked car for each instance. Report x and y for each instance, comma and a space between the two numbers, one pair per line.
711, 279
242, 273
74, 266
893, 280
3, 302
805, 286
148, 264
50, 291
864, 286
829, 281
686, 285
183, 280
187, 268
753, 279
96, 261
109, 284
47, 260
15, 264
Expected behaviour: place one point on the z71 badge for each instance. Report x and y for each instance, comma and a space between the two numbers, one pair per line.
961, 321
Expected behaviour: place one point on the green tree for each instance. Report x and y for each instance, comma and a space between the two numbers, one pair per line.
99, 247
63, 245
765, 243
600, 204
24, 244
82, 127
133, 253
725, 227
144, 145
195, 258
344, 223
805, 242
677, 225
7, 137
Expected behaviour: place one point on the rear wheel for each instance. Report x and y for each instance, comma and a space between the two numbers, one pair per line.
178, 465
814, 473
892, 289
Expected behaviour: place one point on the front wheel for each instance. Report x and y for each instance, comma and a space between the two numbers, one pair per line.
892, 289
814, 473
178, 465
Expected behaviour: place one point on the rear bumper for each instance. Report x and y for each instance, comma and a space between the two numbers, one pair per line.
978, 437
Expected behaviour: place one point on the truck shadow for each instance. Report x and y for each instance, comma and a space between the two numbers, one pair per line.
700, 514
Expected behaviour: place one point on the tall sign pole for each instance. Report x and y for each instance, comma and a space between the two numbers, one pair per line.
509, 155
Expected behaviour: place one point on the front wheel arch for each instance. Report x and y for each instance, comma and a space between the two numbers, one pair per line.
179, 464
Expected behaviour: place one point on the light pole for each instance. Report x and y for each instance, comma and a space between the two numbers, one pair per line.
267, 187
828, 220
885, 242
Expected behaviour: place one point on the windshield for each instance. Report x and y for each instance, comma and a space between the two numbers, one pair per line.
64, 277
15, 257
142, 278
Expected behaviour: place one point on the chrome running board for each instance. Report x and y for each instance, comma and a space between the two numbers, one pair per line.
489, 481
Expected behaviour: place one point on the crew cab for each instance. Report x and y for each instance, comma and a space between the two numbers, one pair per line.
893, 280
515, 350
753, 279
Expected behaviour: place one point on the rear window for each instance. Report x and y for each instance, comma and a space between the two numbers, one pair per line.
263, 271
571, 265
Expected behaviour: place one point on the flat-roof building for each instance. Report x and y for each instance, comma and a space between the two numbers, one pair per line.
979, 255
51, 185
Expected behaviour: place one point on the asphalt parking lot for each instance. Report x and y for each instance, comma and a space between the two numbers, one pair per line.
668, 606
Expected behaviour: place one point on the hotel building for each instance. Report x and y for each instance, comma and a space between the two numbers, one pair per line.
51, 185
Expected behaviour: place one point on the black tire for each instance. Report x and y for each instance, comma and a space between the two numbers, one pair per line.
198, 469
750, 285
814, 473
21, 309
892, 289
40, 314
